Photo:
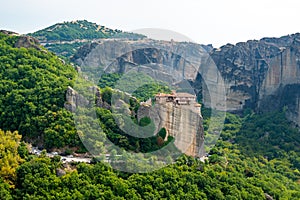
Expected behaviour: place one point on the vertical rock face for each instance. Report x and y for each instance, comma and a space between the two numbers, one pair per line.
256, 73
279, 88
172, 60
262, 75
180, 115
73, 99
295, 116
283, 70
292, 102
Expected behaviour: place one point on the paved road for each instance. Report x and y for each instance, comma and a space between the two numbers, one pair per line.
64, 159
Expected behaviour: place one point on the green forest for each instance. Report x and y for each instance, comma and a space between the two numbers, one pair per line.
65, 38
80, 30
228, 173
256, 157
32, 94
66, 50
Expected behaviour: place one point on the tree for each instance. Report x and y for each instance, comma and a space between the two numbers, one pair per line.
23, 150
4, 190
10, 159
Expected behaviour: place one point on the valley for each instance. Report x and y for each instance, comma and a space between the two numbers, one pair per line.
109, 94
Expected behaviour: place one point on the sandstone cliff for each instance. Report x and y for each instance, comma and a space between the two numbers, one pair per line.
74, 99
171, 62
259, 74
182, 120
121, 55
253, 74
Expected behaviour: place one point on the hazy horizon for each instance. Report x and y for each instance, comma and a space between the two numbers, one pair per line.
215, 22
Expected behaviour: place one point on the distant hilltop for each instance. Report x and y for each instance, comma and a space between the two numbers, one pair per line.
79, 30
65, 38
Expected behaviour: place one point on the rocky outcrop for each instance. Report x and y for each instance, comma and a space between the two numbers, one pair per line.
60, 172
11, 33
253, 74
177, 64
268, 197
74, 99
181, 119
120, 56
23, 40
28, 42
259, 74
294, 114
84, 51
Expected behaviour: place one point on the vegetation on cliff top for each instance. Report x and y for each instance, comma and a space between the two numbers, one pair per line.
65, 38
80, 30
142, 86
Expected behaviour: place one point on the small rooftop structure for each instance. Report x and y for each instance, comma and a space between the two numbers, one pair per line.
180, 98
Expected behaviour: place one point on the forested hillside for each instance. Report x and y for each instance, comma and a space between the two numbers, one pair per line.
79, 30
32, 94
256, 157
65, 38
228, 173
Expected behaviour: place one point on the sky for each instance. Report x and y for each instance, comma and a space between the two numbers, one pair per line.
216, 22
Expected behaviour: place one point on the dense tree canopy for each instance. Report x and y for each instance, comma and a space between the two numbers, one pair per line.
257, 156
10, 159
32, 94
226, 174
81, 29
65, 38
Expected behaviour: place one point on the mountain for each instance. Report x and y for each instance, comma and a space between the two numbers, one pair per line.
33, 87
79, 30
64, 38
261, 75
